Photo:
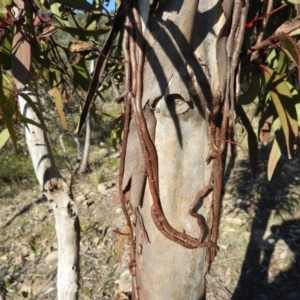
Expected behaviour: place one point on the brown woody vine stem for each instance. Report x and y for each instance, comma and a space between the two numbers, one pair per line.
127, 100
149, 150
233, 48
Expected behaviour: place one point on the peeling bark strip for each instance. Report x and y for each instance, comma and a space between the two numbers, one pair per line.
59, 196
178, 105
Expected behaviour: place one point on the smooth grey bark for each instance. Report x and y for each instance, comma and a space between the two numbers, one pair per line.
184, 70
166, 270
59, 196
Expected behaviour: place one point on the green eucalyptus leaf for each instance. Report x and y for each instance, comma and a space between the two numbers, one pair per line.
5, 116
29, 19
290, 107
57, 98
3, 3
33, 106
253, 91
92, 21
38, 56
289, 47
294, 1
44, 61
295, 95
81, 75
10, 106
4, 137
275, 154
82, 31
5, 52
252, 138
266, 121
77, 4
276, 125
282, 64
29, 121
10, 127
283, 119
272, 59
55, 8
42, 5
283, 101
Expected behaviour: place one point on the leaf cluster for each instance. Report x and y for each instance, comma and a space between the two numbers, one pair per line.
37, 39
34, 49
270, 63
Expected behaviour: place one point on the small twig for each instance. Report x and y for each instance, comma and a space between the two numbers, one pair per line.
101, 63
287, 28
96, 259
268, 13
255, 19
57, 54
74, 19
227, 259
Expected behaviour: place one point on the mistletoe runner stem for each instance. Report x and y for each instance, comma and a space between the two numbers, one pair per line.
148, 147
127, 100
233, 48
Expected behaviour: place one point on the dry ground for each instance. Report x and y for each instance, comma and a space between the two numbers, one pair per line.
259, 236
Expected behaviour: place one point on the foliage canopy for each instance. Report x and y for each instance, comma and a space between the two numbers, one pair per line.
269, 68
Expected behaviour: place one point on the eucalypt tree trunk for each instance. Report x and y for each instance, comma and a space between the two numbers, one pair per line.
52, 184
59, 196
180, 65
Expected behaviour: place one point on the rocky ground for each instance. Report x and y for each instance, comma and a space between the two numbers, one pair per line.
28, 248
259, 235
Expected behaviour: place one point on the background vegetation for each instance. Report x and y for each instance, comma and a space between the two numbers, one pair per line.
268, 108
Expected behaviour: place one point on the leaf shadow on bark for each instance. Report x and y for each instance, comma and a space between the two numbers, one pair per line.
169, 71
179, 54
268, 198
178, 50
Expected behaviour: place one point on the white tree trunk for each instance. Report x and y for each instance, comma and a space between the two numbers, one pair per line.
59, 196
87, 142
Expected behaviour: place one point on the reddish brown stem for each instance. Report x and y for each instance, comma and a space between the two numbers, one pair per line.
149, 152
127, 100
255, 19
